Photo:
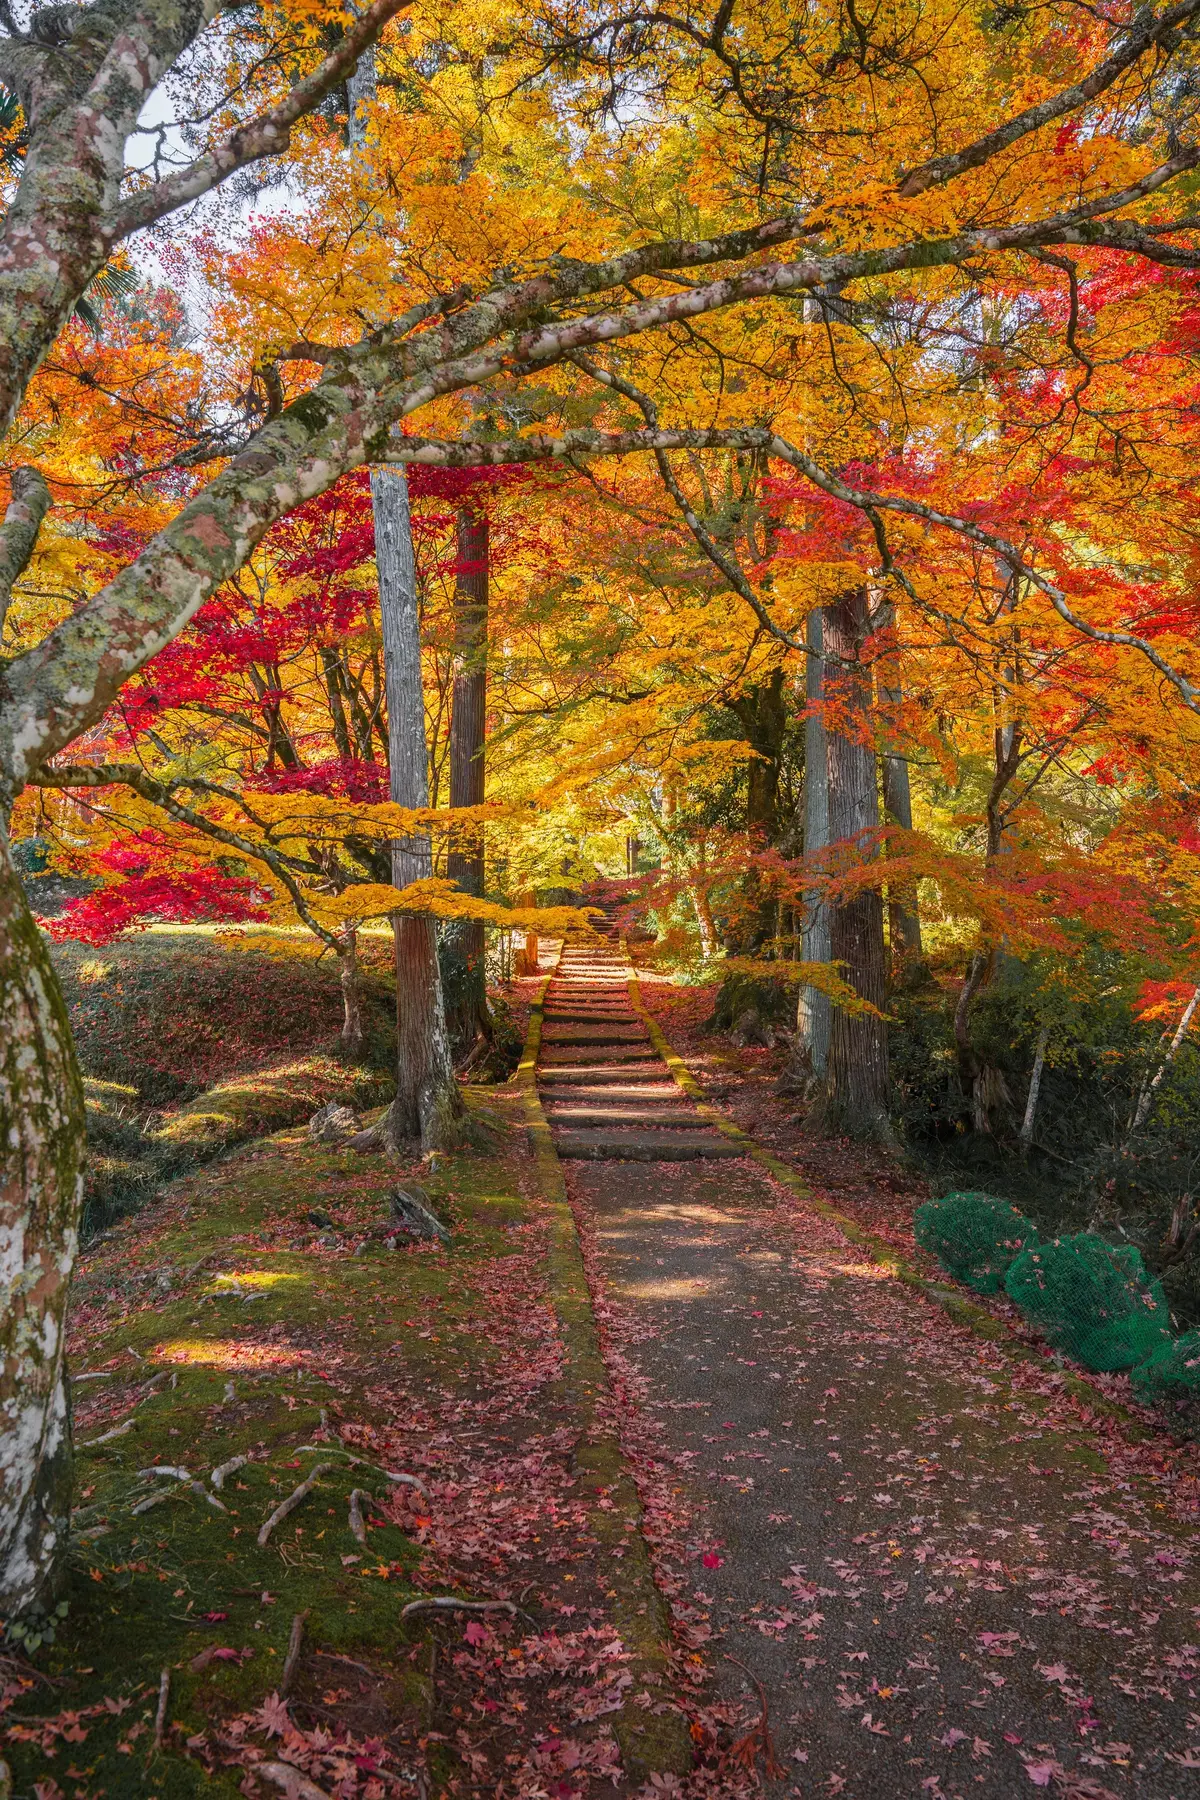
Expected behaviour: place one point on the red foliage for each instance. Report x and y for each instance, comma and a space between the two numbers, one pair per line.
184, 896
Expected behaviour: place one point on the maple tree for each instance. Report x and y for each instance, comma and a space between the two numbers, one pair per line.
959, 367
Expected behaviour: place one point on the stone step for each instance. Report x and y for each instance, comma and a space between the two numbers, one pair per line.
625, 1091
607, 1035
569, 1016
563, 1056
650, 1118
570, 1006
642, 1146
617, 1007
583, 1074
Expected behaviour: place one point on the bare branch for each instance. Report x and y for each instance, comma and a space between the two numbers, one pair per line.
1149, 32
268, 135
865, 500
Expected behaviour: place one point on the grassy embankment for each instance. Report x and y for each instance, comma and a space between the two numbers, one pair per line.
190, 1046
254, 1309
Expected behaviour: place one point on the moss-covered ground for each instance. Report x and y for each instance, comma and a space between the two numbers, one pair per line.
256, 1310
192, 1043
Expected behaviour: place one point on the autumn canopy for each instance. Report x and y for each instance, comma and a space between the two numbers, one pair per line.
459, 455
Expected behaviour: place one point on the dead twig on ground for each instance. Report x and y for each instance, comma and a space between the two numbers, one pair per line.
107, 1436
223, 1470
294, 1499
757, 1741
358, 1527
360, 1462
295, 1644
286, 1776
160, 1717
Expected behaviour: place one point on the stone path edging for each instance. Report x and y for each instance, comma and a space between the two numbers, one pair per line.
650, 1743
952, 1300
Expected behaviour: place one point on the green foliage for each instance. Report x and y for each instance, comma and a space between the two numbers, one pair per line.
975, 1236
1082, 1165
1092, 1299
1172, 1374
31, 855
508, 1040
36, 1627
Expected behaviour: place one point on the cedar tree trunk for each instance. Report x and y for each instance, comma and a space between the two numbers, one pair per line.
857, 1071
465, 941
812, 1013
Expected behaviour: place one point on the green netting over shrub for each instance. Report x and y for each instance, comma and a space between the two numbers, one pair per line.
1093, 1300
974, 1236
1172, 1373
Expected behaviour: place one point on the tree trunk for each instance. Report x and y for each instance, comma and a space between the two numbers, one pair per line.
904, 918
427, 1099
353, 1036
1035, 1088
1147, 1096
857, 1071
42, 1132
704, 918
762, 713
812, 1012
464, 942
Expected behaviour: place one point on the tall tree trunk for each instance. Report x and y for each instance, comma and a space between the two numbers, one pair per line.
337, 711
41, 1134
812, 1013
427, 1099
465, 942
857, 1072
904, 918
762, 712
1035, 1088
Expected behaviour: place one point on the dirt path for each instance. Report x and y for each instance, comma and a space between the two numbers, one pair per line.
946, 1582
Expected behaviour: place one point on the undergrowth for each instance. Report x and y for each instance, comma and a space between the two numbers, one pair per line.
256, 1310
190, 1046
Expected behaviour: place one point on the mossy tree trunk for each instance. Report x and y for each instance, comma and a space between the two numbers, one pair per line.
42, 1133
427, 1099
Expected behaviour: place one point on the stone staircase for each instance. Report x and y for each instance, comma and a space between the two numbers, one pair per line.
605, 1090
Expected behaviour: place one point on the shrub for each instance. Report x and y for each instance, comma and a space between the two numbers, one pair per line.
1172, 1374
1093, 1300
975, 1236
